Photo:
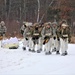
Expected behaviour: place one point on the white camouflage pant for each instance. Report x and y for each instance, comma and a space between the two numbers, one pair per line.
40, 42
58, 45
54, 43
35, 44
38, 45
28, 43
64, 45
48, 45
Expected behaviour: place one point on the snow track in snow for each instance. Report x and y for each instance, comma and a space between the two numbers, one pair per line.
19, 62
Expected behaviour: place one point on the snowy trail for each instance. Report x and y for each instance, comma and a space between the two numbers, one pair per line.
19, 62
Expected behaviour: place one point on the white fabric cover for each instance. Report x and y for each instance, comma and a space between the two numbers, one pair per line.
13, 41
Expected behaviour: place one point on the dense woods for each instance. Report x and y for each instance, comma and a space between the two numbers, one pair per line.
14, 12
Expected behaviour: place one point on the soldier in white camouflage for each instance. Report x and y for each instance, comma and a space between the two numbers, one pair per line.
35, 37
58, 39
55, 40
47, 34
3, 29
65, 35
27, 38
23, 28
40, 38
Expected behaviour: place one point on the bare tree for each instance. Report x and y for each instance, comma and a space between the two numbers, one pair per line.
38, 10
25, 9
9, 8
46, 11
5, 8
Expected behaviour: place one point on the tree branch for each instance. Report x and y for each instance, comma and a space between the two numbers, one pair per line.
46, 11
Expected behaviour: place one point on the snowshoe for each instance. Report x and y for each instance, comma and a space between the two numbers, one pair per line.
38, 51
63, 54
48, 53
33, 51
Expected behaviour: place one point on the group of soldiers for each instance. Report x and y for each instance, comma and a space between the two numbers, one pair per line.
53, 36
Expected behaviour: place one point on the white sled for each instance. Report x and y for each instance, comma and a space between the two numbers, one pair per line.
10, 43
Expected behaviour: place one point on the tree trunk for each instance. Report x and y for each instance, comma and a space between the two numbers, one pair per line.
38, 10
46, 11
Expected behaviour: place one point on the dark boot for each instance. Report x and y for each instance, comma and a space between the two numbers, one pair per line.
24, 48
48, 53
63, 54
33, 51
30, 50
66, 53
38, 51
57, 52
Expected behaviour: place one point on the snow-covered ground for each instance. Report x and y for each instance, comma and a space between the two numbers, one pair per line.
19, 62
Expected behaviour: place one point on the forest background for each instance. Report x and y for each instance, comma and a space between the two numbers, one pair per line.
15, 12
